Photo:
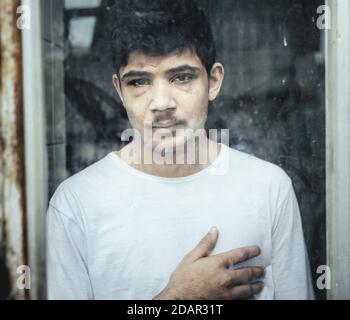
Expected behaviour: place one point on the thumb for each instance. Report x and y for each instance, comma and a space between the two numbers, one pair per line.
205, 245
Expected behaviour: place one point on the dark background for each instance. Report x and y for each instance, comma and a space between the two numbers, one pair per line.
273, 97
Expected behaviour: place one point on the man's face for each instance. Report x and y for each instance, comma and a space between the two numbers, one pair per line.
164, 94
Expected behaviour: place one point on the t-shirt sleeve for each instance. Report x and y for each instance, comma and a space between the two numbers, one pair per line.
67, 272
290, 262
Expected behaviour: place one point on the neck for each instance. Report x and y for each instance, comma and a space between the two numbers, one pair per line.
193, 162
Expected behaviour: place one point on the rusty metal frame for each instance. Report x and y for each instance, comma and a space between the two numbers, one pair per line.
13, 233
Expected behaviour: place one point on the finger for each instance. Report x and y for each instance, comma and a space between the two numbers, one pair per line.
205, 245
246, 291
236, 256
245, 275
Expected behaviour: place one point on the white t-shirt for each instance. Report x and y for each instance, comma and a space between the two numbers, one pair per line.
114, 232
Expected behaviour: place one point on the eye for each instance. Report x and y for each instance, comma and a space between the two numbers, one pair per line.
138, 83
183, 78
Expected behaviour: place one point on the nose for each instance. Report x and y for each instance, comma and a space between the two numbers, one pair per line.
161, 97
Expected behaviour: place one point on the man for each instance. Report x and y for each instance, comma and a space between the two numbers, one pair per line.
135, 224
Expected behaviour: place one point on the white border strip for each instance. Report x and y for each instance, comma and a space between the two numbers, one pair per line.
338, 148
35, 148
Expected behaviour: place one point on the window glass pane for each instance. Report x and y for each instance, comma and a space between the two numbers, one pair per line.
272, 100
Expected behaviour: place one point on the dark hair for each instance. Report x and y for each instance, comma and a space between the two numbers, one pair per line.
159, 27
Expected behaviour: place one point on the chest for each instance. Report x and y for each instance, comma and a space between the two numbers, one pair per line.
134, 249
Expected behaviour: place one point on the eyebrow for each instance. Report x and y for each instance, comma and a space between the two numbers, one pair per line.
182, 68
134, 74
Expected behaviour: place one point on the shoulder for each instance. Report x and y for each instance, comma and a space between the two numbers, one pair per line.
264, 182
259, 175
257, 167
82, 184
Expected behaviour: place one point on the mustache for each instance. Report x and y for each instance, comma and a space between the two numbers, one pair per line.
165, 118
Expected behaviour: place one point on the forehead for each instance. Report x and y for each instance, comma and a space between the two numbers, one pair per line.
140, 61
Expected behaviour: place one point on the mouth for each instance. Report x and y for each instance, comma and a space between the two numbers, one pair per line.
165, 124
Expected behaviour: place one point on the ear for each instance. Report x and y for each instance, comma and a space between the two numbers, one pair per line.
216, 78
117, 86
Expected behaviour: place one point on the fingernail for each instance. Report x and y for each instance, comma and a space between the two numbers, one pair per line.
213, 230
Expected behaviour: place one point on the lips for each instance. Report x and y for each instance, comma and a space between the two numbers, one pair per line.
165, 124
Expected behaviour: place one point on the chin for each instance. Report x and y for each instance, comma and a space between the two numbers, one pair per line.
170, 144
